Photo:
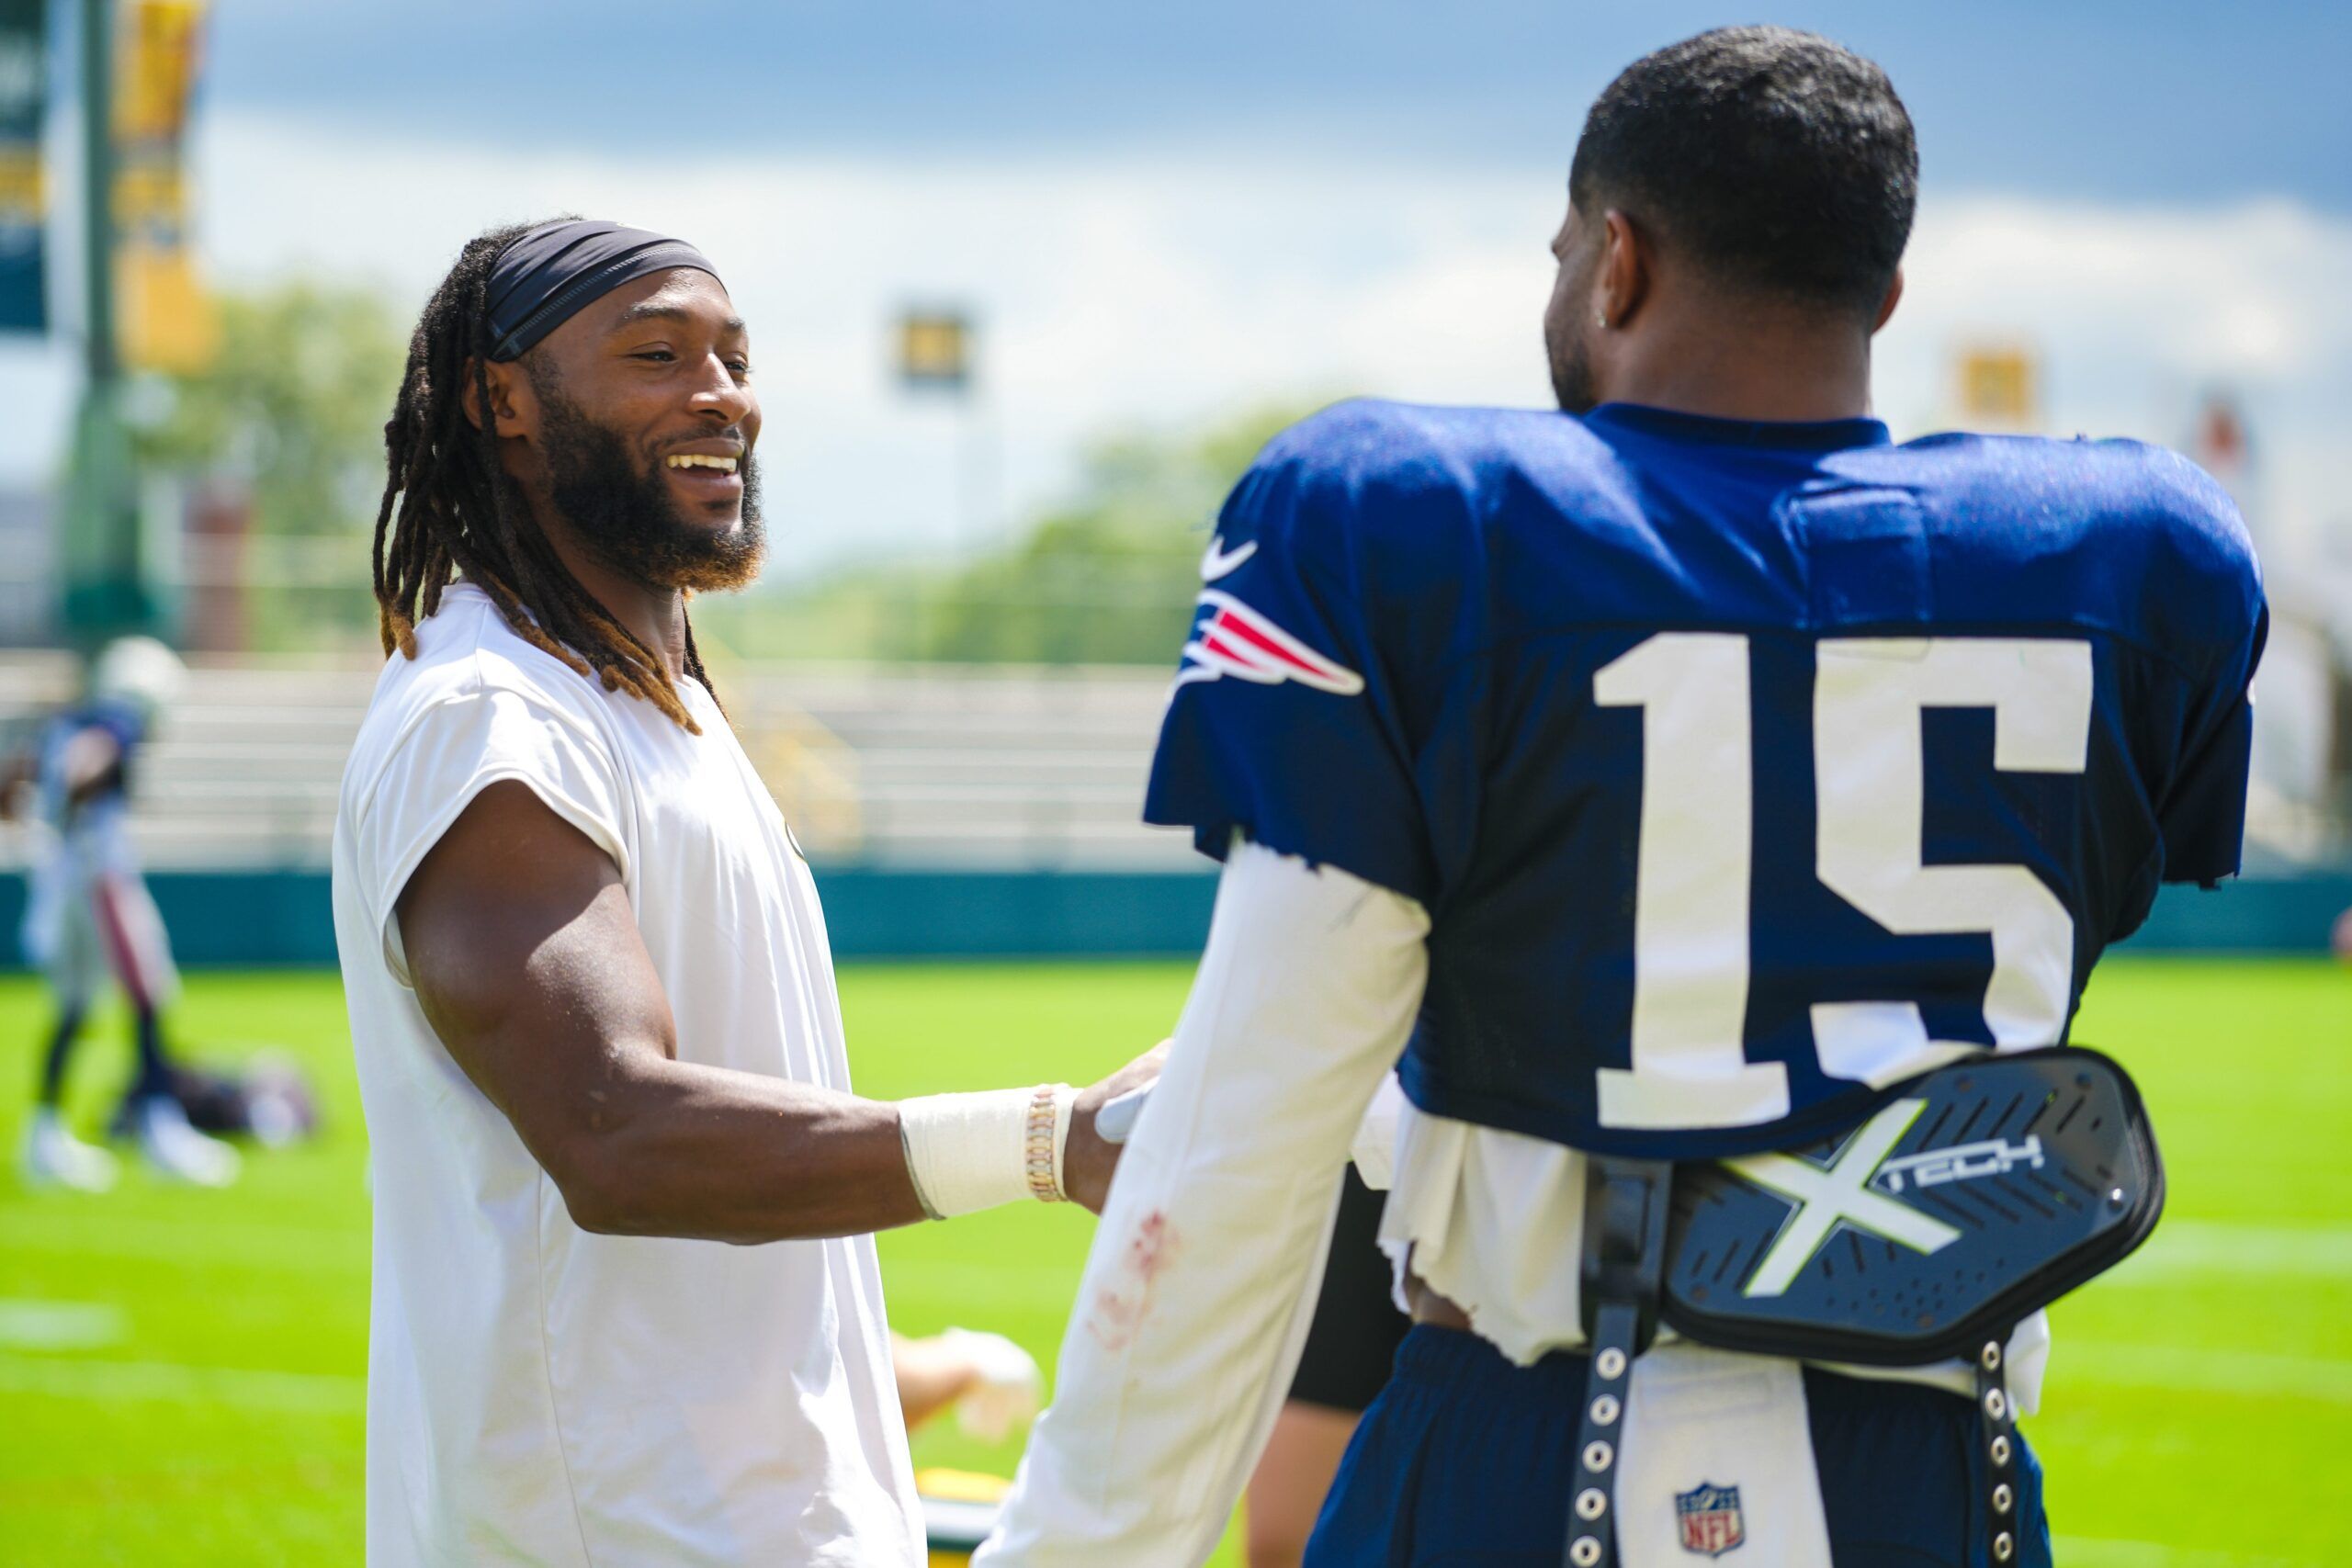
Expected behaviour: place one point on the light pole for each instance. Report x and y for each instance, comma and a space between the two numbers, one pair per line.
105, 592
935, 354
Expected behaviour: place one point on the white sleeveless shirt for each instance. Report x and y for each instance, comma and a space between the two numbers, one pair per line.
537, 1394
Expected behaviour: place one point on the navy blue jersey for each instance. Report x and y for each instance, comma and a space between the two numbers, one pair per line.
108, 801
1743, 768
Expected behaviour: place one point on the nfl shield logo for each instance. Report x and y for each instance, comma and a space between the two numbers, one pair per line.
1710, 1518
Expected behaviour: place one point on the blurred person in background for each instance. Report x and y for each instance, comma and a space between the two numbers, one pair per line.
591, 996
993, 1386
1661, 777
991, 1383
89, 917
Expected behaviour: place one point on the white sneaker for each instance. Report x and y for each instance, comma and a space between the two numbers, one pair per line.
55, 1157
178, 1151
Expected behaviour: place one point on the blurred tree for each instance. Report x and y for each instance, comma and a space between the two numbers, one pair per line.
279, 443
292, 407
1108, 578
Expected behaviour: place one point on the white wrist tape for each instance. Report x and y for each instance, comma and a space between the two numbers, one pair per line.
969, 1152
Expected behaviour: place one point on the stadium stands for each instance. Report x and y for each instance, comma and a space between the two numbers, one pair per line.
971, 765
939, 767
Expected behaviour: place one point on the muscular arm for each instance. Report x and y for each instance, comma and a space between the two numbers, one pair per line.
528, 960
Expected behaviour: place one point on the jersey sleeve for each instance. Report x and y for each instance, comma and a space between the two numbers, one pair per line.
456, 748
2202, 816
1310, 712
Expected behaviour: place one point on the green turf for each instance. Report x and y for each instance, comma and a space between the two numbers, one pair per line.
180, 1373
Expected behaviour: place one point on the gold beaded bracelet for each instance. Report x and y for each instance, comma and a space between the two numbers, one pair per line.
1038, 1152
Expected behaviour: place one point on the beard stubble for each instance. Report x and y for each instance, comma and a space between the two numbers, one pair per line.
624, 514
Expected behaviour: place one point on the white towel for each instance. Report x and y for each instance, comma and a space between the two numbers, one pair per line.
1718, 1454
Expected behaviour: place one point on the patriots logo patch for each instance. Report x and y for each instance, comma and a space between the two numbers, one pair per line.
1231, 638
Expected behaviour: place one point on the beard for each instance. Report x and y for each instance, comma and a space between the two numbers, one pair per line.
1568, 332
1570, 359
624, 514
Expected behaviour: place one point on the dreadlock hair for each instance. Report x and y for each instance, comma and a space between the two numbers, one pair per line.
447, 510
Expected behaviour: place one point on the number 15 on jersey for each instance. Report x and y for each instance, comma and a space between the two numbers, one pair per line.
1696, 857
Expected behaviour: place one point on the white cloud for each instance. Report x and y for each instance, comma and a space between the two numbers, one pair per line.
2136, 315
1166, 292
2241, 292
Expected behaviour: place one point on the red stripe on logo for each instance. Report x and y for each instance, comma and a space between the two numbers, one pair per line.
1235, 640
1227, 621
1216, 643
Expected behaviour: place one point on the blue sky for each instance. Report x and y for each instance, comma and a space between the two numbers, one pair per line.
1163, 215
2150, 101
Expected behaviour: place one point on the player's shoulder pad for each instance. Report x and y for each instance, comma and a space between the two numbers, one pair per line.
2200, 557
2181, 507
121, 720
1404, 487
2148, 516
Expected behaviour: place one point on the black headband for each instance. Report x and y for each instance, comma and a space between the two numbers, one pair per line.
542, 278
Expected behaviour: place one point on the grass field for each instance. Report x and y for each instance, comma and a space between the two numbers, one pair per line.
181, 1373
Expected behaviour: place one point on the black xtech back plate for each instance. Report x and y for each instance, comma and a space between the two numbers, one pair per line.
1968, 1198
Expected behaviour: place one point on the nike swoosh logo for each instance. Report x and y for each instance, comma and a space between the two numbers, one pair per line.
1219, 562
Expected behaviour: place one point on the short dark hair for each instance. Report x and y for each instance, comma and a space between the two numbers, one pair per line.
1781, 160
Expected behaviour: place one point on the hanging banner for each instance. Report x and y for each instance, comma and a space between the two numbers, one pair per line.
165, 320
24, 80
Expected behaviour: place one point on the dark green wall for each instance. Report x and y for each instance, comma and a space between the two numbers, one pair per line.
283, 917
264, 917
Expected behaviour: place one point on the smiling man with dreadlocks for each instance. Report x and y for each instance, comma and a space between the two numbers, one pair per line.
591, 997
